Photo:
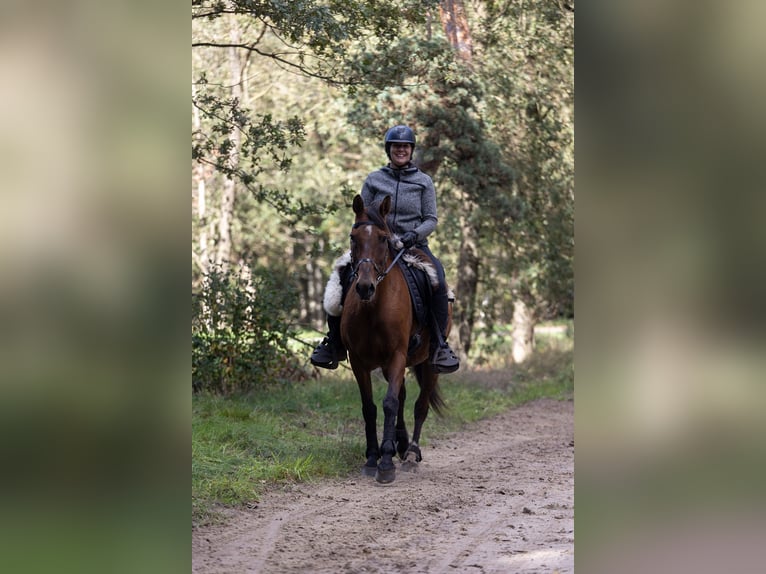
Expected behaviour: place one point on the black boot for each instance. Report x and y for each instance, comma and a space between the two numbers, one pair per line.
331, 350
443, 359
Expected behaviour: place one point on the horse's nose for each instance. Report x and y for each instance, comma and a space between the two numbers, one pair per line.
365, 290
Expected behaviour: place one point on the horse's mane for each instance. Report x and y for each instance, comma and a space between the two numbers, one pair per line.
373, 212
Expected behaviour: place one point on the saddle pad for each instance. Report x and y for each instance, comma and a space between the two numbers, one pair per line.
419, 286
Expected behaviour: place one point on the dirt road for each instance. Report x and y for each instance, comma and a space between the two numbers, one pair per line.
496, 498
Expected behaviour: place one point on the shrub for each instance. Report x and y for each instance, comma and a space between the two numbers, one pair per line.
240, 327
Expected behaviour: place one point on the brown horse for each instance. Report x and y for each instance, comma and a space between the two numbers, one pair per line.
377, 326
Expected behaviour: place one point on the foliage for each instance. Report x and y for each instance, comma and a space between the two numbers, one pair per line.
531, 117
315, 35
240, 326
261, 139
309, 38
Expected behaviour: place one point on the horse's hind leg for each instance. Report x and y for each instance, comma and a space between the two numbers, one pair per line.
402, 438
427, 380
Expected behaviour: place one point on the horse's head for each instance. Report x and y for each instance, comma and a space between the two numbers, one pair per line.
369, 245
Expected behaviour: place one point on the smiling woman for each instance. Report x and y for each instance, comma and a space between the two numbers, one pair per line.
400, 143
401, 154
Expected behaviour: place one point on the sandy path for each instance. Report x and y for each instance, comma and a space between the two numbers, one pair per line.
496, 498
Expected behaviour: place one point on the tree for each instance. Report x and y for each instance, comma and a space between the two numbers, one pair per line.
493, 115
532, 119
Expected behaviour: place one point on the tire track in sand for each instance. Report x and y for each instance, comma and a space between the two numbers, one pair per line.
497, 497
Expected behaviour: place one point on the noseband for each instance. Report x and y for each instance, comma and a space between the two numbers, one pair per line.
381, 274
355, 270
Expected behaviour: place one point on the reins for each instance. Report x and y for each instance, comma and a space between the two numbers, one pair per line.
398, 255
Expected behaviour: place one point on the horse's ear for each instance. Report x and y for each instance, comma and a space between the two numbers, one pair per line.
385, 206
358, 204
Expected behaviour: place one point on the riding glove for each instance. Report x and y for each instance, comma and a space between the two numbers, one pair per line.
409, 239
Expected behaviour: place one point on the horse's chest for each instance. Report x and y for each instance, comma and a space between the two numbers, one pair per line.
372, 338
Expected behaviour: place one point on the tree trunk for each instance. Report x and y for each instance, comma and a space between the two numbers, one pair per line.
223, 253
467, 279
316, 285
199, 175
311, 281
430, 141
455, 24
523, 331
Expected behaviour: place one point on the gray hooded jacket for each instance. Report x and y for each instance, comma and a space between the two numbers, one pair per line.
413, 199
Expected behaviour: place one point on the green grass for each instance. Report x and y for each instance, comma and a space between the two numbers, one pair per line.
302, 431
286, 433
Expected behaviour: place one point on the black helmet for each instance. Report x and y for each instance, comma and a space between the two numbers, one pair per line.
399, 134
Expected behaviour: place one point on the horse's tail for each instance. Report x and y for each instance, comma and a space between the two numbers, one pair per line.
435, 399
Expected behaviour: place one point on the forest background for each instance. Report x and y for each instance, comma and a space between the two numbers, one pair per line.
290, 102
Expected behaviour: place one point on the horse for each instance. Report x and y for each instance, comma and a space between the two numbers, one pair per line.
378, 328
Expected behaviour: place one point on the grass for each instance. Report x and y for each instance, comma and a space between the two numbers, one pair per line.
302, 431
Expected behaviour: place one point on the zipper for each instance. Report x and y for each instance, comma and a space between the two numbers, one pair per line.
396, 197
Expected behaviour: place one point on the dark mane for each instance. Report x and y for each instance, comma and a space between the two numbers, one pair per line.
373, 212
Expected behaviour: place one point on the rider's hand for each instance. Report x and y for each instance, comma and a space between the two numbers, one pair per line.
409, 239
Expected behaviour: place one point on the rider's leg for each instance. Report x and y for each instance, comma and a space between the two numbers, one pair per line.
444, 359
331, 350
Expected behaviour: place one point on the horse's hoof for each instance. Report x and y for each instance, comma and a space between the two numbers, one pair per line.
369, 470
409, 466
413, 453
385, 476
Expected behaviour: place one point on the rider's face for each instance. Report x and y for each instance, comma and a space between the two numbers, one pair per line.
401, 153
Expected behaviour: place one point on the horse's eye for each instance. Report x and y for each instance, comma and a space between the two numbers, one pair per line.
382, 239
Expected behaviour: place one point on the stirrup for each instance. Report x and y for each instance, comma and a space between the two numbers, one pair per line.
326, 355
445, 361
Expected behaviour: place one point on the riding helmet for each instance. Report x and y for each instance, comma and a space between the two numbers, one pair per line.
399, 134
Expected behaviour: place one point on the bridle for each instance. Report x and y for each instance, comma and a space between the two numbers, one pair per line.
381, 274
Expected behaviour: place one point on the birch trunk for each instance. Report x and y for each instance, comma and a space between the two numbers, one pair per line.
455, 25
523, 331
203, 258
223, 252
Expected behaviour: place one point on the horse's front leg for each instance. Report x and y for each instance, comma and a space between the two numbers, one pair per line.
394, 374
370, 414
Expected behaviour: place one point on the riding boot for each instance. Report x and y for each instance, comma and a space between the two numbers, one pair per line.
444, 359
331, 350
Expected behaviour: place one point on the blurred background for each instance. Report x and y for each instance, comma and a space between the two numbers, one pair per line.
669, 276
94, 359
670, 346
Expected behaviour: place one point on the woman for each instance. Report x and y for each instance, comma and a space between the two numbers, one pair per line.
413, 218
